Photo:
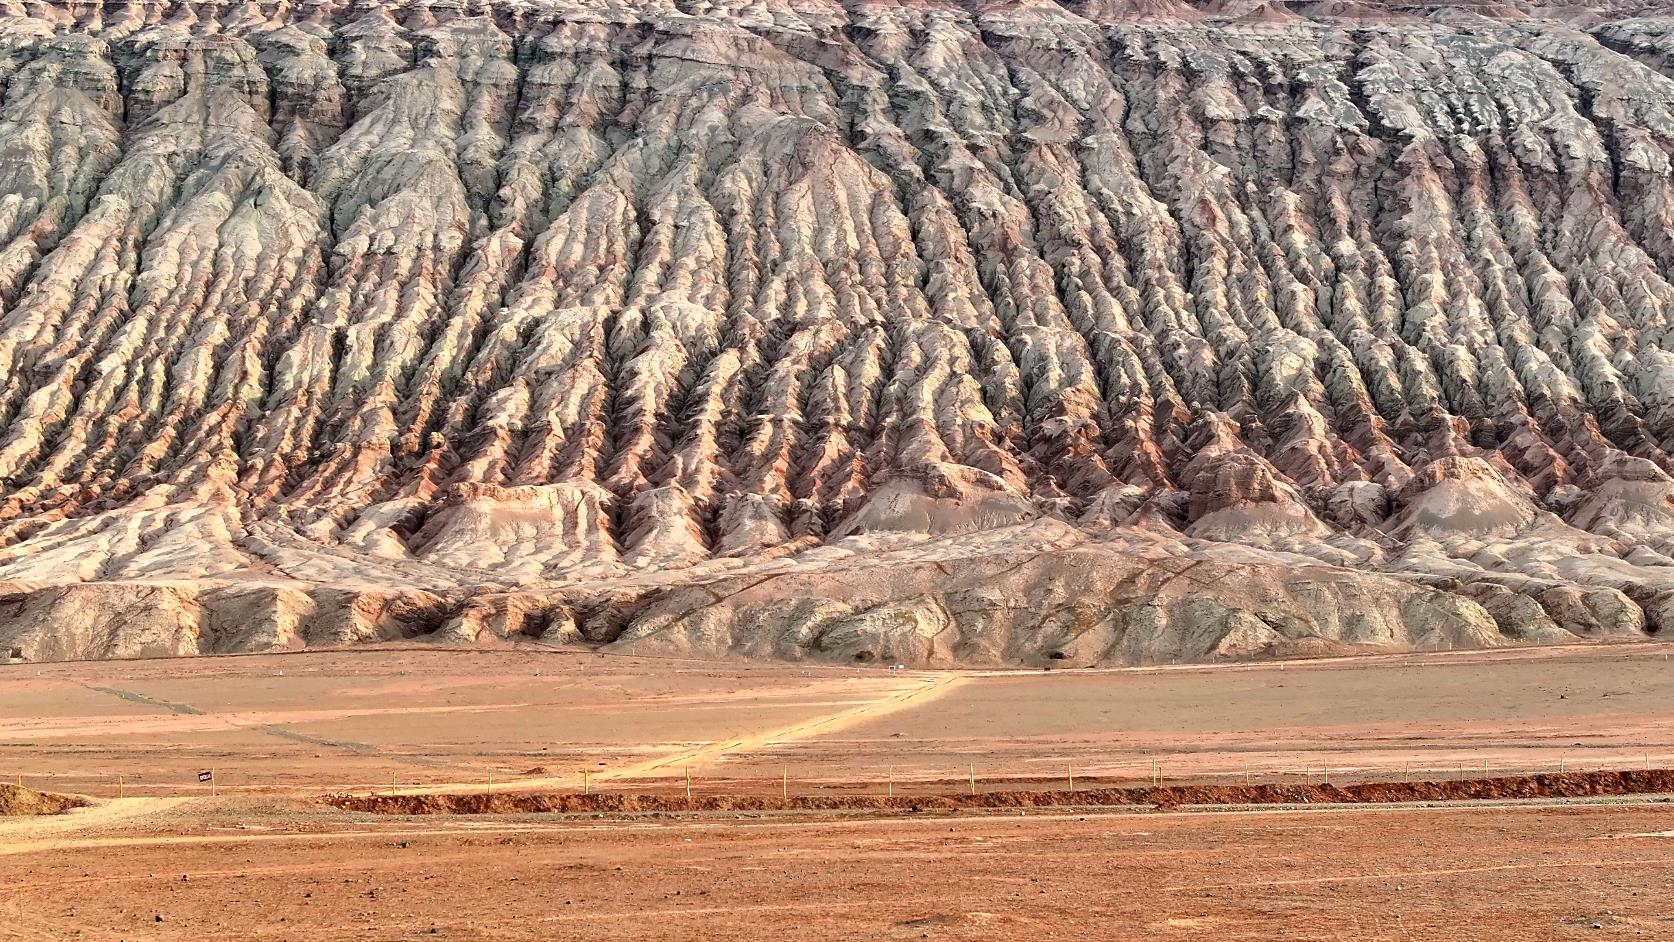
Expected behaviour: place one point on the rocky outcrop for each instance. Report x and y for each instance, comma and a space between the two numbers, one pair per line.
981, 332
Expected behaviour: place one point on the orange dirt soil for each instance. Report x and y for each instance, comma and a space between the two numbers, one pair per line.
1482, 874
439, 719
268, 859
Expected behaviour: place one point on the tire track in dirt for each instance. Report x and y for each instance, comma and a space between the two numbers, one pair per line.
1567, 864
280, 732
922, 691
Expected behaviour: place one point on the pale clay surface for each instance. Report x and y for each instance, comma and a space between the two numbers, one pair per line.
933, 332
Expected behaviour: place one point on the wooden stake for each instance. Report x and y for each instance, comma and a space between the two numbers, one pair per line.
973, 779
212, 781
784, 783
688, 783
121, 788
1246, 773
490, 779
1072, 776
892, 781
584, 781
392, 783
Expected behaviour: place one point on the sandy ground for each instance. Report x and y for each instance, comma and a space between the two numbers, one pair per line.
444, 719
265, 860
236, 870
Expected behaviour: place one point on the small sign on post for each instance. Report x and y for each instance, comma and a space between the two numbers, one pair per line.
208, 775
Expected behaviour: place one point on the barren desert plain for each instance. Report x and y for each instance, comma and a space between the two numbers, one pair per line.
836, 469
267, 857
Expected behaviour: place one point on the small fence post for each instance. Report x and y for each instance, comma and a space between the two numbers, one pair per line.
973, 779
1072, 776
688, 783
784, 783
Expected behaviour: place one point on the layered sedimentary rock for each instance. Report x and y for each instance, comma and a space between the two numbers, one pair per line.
991, 331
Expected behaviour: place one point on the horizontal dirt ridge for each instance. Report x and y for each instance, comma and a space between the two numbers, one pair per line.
1554, 785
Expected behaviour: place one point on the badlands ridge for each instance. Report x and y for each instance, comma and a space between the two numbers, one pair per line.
939, 331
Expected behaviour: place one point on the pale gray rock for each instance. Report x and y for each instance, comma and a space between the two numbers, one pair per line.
982, 332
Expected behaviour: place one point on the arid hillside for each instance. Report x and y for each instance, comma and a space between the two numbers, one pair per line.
942, 331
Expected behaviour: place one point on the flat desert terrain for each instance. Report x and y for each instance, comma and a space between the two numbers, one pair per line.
535, 717
265, 859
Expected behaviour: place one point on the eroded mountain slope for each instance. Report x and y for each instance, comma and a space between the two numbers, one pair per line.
933, 331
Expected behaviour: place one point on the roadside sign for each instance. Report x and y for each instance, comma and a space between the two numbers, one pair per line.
205, 775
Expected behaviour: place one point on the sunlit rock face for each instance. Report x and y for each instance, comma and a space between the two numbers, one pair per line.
935, 332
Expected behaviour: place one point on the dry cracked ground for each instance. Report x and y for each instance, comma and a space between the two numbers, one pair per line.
945, 331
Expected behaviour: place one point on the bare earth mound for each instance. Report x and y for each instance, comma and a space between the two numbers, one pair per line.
981, 332
17, 801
